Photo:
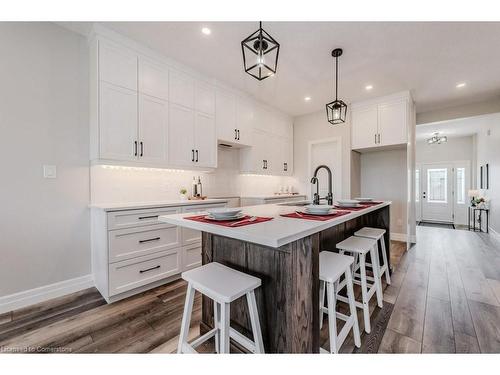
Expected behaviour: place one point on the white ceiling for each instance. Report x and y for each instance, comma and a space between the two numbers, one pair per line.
427, 58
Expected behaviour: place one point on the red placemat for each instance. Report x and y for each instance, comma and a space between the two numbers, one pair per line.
229, 223
371, 203
297, 215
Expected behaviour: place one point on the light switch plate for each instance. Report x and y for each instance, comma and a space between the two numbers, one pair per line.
49, 171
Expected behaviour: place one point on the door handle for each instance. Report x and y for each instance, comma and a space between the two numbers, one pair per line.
197, 156
236, 134
375, 138
142, 149
285, 167
148, 217
150, 269
378, 138
135, 148
149, 240
192, 155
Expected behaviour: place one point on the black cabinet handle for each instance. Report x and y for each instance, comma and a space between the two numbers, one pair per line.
142, 149
149, 240
238, 134
192, 155
235, 134
148, 217
375, 138
197, 156
135, 148
285, 167
150, 269
378, 138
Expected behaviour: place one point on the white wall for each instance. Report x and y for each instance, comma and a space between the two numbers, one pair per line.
121, 184
384, 176
44, 225
459, 148
315, 127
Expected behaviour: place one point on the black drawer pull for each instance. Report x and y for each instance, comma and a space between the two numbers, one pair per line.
150, 269
148, 217
149, 240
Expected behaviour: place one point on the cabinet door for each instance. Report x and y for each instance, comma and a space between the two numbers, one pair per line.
261, 160
153, 129
205, 141
225, 114
153, 79
245, 119
117, 123
181, 89
180, 135
117, 65
392, 123
364, 127
205, 98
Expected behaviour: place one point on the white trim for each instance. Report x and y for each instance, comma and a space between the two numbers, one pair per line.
398, 237
44, 293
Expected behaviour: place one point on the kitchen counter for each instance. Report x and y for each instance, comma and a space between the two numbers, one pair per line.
273, 196
284, 254
143, 205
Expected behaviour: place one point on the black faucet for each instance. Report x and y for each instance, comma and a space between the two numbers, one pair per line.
314, 180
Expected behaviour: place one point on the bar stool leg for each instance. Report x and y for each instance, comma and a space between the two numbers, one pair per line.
376, 275
386, 263
322, 291
364, 293
186, 318
217, 326
352, 307
254, 320
224, 328
332, 317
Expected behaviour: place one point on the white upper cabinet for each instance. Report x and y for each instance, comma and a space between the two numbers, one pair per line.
181, 136
245, 118
117, 123
364, 127
381, 122
181, 89
205, 141
153, 129
205, 98
153, 79
225, 115
117, 65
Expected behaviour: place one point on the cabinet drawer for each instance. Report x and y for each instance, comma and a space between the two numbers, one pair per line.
134, 242
191, 236
135, 218
191, 257
133, 273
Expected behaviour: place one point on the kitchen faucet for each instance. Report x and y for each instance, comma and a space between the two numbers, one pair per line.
314, 180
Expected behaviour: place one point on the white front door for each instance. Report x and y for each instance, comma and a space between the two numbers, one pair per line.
437, 190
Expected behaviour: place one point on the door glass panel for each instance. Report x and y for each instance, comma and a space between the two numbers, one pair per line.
460, 190
417, 185
437, 185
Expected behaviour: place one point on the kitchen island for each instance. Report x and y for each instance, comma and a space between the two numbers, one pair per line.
284, 254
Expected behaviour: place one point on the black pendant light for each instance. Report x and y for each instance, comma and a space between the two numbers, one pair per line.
336, 110
260, 54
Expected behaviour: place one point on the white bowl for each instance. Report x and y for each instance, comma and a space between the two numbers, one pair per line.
317, 208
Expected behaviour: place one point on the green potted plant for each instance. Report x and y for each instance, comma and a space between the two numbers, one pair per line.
183, 194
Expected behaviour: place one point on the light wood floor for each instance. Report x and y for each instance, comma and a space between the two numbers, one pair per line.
445, 297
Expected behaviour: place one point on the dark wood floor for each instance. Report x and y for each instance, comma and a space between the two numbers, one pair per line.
445, 298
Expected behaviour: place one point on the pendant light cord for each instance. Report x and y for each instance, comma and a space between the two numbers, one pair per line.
336, 77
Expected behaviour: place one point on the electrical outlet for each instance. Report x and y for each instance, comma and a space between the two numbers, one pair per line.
49, 171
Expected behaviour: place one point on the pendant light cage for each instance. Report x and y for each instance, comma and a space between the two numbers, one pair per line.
336, 111
260, 54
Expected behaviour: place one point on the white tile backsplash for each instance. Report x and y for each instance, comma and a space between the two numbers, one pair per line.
124, 184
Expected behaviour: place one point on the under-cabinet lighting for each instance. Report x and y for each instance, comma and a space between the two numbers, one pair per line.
307, 98
368, 87
461, 85
206, 31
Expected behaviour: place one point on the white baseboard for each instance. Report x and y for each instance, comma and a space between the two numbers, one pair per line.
398, 237
44, 293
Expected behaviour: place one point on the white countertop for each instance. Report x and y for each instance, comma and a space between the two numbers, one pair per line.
273, 233
274, 196
143, 205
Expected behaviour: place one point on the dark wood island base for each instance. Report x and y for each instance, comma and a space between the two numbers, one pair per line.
288, 300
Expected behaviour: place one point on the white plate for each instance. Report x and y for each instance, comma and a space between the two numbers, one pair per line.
223, 211
318, 208
350, 205
347, 201
236, 217
329, 212
363, 199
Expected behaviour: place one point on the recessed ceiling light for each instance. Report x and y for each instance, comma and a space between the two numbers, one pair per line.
206, 31
461, 85
368, 87
307, 98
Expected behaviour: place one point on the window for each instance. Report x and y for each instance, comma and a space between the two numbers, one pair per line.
417, 185
437, 185
460, 190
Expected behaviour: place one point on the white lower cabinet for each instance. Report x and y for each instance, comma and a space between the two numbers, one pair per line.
132, 251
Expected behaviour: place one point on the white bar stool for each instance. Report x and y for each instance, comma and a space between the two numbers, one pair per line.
223, 285
331, 267
359, 247
377, 235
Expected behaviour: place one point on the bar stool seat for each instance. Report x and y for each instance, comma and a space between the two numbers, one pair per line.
223, 285
359, 247
378, 235
331, 268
